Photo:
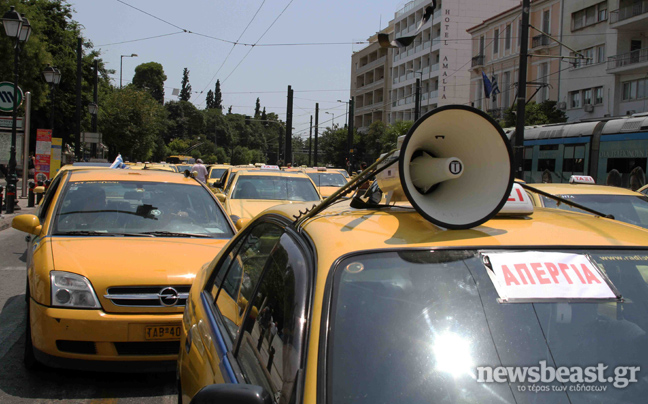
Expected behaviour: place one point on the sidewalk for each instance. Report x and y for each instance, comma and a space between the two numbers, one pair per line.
5, 219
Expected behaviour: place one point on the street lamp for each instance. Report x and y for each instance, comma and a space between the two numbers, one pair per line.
121, 65
332, 120
53, 78
417, 104
16, 26
93, 108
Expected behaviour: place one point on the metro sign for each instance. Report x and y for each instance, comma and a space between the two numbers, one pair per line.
7, 96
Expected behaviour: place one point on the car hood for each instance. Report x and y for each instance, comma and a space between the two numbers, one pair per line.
138, 261
249, 208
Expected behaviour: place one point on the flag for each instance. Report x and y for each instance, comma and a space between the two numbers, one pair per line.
404, 41
495, 88
488, 87
118, 163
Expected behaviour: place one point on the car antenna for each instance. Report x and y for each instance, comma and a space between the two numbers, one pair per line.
565, 201
350, 186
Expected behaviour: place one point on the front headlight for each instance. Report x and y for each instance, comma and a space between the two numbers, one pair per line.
72, 290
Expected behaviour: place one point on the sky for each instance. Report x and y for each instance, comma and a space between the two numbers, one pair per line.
318, 73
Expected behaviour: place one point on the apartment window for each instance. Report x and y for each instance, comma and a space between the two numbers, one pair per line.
519, 33
589, 56
598, 95
600, 54
589, 16
496, 41
507, 42
481, 46
574, 99
546, 19
506, 100
543, 73
587, 96
641, 88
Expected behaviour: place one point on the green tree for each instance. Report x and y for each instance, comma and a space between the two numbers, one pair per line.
390, 138
257, 109
218, 97
131, 121
209, 101
185, 91
240, 155
150, 77
535, 114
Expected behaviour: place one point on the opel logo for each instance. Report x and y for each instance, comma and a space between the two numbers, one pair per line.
168, 297
455, 167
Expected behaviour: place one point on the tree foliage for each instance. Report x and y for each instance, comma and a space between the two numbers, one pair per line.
150, 77
535, 114
218, 97
185, 90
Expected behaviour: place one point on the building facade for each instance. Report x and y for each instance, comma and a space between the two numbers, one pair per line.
496, 52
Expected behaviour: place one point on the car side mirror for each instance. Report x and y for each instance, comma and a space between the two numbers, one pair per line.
232, 394
27, 223
241, 223
221, 197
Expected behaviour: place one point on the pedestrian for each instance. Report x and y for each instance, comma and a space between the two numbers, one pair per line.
200, 168
273, 331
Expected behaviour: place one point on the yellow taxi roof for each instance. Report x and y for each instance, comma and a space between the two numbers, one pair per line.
583, 189
111, 174
273, 173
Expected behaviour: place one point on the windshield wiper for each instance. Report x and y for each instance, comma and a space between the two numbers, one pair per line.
83, 233
161, 233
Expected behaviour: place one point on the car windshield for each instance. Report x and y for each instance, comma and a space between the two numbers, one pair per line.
626, 208
275, 188
139, 208
182, 167
216, 172
421, 327
328, 179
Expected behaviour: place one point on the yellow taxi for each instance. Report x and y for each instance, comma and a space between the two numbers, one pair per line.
326, 180
216, 171
111, 258
154, 167
250, 192
227, 176
357, 302
624, 204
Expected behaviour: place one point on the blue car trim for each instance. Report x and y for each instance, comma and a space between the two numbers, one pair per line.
220, 342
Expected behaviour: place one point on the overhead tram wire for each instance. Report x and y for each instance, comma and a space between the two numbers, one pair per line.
232, 48
141, 39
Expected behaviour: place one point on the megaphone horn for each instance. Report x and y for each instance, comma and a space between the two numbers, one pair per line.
454, 167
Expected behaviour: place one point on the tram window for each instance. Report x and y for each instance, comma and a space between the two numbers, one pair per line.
547, 164
528, 158
549, 147
625, 164
573, 165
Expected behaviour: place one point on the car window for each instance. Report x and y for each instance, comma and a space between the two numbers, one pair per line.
128, 207
271, 343
216, 172
626, 208
239, 274
423, 322
48, 198
230, 181
328, 179
274, 188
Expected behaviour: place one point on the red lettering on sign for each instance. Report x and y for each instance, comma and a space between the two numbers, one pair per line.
589, 275
563, 269
523, 267
553, 271
537, 268
520, 195
509, 277
578, 273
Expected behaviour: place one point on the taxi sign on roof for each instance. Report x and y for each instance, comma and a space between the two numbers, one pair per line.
518, 203
538, 276
269, 167
581, 179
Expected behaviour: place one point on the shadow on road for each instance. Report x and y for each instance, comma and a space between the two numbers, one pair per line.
59, 384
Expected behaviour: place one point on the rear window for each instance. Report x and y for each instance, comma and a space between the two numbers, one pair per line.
216, 172
328, 179
275, 188
417, 326
626, 208
124, 207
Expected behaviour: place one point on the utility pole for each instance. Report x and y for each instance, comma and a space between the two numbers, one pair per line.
316, 130
95, 99
310, 141
521, 93
77, 115
350, 134
289, 123
417, 102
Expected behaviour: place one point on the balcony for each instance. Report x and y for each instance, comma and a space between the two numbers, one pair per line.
540, 40
635, 61
378, 62
630, 17
478, 60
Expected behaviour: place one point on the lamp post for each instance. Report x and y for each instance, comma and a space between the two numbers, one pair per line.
18, 27
332, 119
346, 111
53, 78
121, 65
93, 108
417, 104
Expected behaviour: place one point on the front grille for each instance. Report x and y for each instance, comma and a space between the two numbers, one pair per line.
148, 296
78, 347
148, 348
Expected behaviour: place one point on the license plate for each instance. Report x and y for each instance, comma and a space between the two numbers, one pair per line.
162, 332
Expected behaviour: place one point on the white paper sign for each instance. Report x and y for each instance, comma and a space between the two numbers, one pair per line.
547, 275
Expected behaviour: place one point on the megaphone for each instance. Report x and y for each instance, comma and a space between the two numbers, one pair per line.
454, 167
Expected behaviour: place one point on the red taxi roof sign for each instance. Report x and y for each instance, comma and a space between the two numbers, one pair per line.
540, 276
269, 167
321, 168
518, 203
581, 179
